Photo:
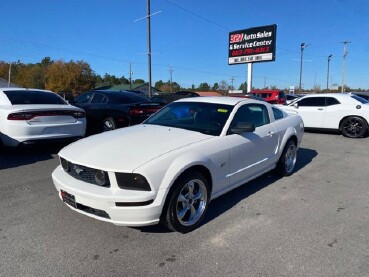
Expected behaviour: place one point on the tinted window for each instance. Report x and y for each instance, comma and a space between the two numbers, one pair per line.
127, 98
363, 96
282, 94
360, 99
312, 102
252, 113
33, 97
98, 98
329, 101
83, 98
278, 114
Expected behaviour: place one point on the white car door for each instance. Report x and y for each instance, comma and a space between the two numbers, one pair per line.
252, 152
312, 111
334, 112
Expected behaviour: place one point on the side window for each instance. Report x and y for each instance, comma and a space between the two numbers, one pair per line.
97, 99
329, 101
282, 94
312, 102
278, 114
252, 113
84, 98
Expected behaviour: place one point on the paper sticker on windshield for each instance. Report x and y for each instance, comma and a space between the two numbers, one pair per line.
222, 110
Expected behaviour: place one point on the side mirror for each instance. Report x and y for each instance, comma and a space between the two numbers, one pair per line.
243, 127
296, 105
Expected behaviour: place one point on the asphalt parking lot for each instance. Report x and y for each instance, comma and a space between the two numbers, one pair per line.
313, 223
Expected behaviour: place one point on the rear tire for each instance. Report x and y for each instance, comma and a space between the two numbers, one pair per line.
187, 204
354, 127
109, 124
287, 161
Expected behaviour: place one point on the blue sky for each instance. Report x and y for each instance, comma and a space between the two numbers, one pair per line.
191, 38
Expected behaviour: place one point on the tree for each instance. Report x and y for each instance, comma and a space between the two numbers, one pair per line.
204, 87
139, 82
215, 87
159, 84
243, 86
74, 77
167, 86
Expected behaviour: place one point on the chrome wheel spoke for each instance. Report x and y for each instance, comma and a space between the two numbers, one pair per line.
190, 187
182, 198
193, 213
198, 195
181, 214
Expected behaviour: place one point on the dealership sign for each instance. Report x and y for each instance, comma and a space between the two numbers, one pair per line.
252, 45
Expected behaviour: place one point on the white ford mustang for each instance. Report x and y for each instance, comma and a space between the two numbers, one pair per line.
343, 112
169, 168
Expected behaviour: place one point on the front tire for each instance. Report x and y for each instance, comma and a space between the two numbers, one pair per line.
187, 203
354, 127
287, 161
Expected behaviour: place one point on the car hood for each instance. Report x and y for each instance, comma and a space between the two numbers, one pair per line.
128, 148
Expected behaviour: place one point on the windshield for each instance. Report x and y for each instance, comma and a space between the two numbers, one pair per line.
206, 118
33, 97
360, 99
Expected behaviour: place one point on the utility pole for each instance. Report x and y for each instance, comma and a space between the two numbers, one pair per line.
10, 73
232, 79
130, 76
170, 72
329, 59
149, 44
303, 46
265, 80
343, 65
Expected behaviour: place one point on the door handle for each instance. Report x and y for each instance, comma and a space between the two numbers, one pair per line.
320, 109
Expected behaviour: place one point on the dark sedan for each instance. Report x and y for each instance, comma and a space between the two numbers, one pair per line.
108, 110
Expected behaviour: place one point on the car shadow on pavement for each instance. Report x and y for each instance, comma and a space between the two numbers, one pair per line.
230, 199
19, 156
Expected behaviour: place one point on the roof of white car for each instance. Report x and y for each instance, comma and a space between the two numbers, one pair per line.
335, 94
18, 89
219, 100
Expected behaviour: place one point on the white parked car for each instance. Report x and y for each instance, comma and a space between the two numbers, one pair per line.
342, 112
29, 116
168, 168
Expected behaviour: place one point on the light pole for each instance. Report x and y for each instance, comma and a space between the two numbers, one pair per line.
329, 59
149, 44
303, 46
343, 65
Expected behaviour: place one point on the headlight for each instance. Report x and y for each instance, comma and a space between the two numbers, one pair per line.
132, 181
65, 164
101, 178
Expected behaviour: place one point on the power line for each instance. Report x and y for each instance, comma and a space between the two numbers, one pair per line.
196, 15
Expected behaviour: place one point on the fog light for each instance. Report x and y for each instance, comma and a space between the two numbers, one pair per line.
65, 164
101, 178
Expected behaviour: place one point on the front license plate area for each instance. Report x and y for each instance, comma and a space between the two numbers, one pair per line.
68, 198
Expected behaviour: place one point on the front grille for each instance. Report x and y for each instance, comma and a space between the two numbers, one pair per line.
86, 174
93, 211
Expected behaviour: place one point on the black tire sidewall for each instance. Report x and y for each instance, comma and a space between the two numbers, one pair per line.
362, 134
281, 167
